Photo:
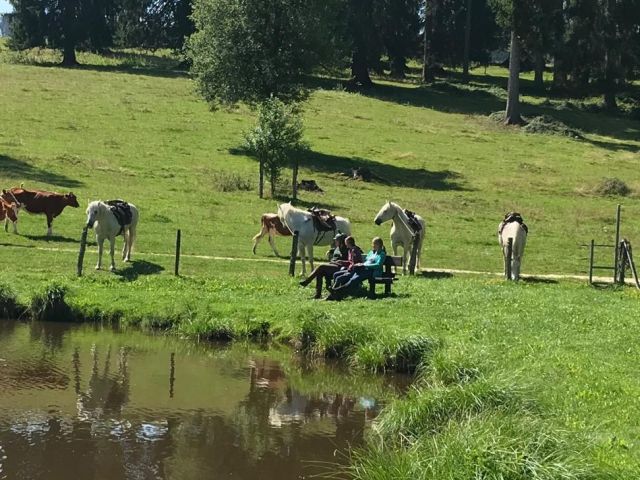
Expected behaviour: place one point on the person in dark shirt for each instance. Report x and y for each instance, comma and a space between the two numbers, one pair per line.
338, 258
370, 268
354, 257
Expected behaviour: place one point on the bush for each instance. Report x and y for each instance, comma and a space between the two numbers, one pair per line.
612, 187
231, 182
51, 305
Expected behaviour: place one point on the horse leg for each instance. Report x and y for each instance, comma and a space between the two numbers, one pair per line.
6, 224
125, 238
273, 243
515, 268
258, 237
310, 254
132, 239
100, 247
112, 247
404, 259
303, 272
15, 227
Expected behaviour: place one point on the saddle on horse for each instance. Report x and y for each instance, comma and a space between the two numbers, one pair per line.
510, 218
323, 220
122, 211
413, 221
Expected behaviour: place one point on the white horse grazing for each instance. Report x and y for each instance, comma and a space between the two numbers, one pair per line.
100, 216
302, 222
401, 231
518, 232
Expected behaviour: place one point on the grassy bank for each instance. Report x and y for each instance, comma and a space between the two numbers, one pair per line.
557, 357
535, 380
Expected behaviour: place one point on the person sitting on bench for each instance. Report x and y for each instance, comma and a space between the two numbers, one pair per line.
371, 268
354, 258
338, 259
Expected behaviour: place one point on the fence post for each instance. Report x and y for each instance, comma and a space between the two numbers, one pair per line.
414, 255
294, 254
178, 241
83, 247
507, 263
622, 262
617, 253
591, 253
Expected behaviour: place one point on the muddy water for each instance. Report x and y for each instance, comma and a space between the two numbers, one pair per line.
82, 402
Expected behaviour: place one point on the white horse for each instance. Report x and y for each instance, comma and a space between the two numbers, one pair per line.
519, 234
106, 225
401, 231
302, 222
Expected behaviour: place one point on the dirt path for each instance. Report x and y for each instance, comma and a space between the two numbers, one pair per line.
426, 272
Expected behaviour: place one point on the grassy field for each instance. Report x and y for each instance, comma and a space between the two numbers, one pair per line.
516, 380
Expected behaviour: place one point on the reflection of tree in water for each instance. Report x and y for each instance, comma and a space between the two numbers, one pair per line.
107, 392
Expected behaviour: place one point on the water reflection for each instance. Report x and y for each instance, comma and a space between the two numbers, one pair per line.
82, 403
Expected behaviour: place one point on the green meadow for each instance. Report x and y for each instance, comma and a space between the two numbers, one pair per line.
513, 381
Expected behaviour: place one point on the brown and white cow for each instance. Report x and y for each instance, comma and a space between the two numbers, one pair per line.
50, 204
271, 225
8, 211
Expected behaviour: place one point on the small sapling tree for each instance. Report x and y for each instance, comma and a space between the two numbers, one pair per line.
276, 140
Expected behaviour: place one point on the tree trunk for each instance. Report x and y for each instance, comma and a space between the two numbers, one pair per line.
610, 79
69, 55
360, 69
467, 41
559, 74
538, 75
512, 113
427, 73
261, 184
294, 181
272, 182
398, 66
360, 26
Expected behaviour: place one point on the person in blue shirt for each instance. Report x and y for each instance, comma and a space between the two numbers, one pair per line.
371, 268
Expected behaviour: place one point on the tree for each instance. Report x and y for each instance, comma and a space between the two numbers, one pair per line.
276, 140
61, 24
248, 50
399, 27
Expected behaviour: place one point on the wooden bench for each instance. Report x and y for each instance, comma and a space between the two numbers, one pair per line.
387, 278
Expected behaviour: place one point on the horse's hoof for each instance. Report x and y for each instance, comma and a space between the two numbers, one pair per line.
112, 268
97, 267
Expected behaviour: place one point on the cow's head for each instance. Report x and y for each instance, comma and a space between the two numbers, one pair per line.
71, 200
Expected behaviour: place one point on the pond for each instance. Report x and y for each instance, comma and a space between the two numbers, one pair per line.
90, 402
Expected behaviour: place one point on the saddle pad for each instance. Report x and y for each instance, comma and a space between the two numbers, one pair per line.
122, 211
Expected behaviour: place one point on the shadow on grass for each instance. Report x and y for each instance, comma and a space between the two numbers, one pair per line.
435, 275
132, 63
538, 280
381, 173
485, 94
138, 267
54, 238
15, 168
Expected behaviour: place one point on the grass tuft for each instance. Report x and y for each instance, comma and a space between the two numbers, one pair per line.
231, 182
612, 187
50, 304
547, 125
9, 306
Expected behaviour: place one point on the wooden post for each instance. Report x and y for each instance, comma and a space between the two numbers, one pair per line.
616, 254
591, 253
178, 241
294, 254
507, 263
83, 247
414, 255
622, 262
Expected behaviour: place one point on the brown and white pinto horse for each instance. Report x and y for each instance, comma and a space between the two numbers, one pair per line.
50, 204
273, 226
9, 210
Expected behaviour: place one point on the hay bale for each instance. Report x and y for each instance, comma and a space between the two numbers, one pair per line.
547, 125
